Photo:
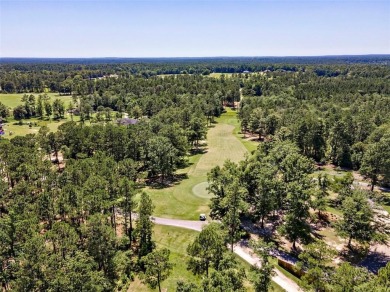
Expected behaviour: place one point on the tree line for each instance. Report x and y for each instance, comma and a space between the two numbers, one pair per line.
337, 118
36, 75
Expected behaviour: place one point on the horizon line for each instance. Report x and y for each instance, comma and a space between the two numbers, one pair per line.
200, 57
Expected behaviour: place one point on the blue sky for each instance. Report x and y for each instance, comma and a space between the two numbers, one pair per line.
109, 28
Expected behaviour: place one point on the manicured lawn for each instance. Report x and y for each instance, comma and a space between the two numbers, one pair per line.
11, 100
177, 240
24, 129
179, 200
14, 99
230, 118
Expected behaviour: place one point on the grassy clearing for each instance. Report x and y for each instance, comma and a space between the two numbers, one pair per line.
14, 99
24, 129
179, 201
218, 75
177, 240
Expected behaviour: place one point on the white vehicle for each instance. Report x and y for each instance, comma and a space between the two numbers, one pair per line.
202, 217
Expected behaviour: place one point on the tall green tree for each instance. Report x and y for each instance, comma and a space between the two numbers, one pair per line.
63, 238
144, 226
235, 206
197, 131
4, 112
296, 226
58, 109
161, 157
376, 160
219, 180
40, 107
347, 278
339, 143
357, 219
19, 112
264, 199
127, 194
316, 259
99, 240
157, 267
82, 274
207, 249
320, 195
48, 108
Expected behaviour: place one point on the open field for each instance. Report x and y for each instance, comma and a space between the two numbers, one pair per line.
14, 99
24, 129
218, 75
179, 200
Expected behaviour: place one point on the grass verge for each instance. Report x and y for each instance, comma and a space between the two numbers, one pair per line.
176, 240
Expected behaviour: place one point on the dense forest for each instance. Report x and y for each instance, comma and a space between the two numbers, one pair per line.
73, 214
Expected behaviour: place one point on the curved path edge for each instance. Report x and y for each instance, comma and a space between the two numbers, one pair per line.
247, 255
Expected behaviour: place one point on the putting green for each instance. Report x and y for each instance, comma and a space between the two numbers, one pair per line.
200, 190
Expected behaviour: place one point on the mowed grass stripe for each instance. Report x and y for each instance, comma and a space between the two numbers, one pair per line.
222, 145
179, 201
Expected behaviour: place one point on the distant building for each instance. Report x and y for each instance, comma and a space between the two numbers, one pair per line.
246, 71
126, 121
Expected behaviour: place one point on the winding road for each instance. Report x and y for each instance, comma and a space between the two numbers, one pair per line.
240, 249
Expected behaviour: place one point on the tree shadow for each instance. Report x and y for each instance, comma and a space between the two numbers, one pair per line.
269, 235
316, 234
353, 255
198, 151
374, 261
155, 182
385, 190
201, 149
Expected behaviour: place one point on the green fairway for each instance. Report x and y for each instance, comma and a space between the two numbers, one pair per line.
188, 198
230, 118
